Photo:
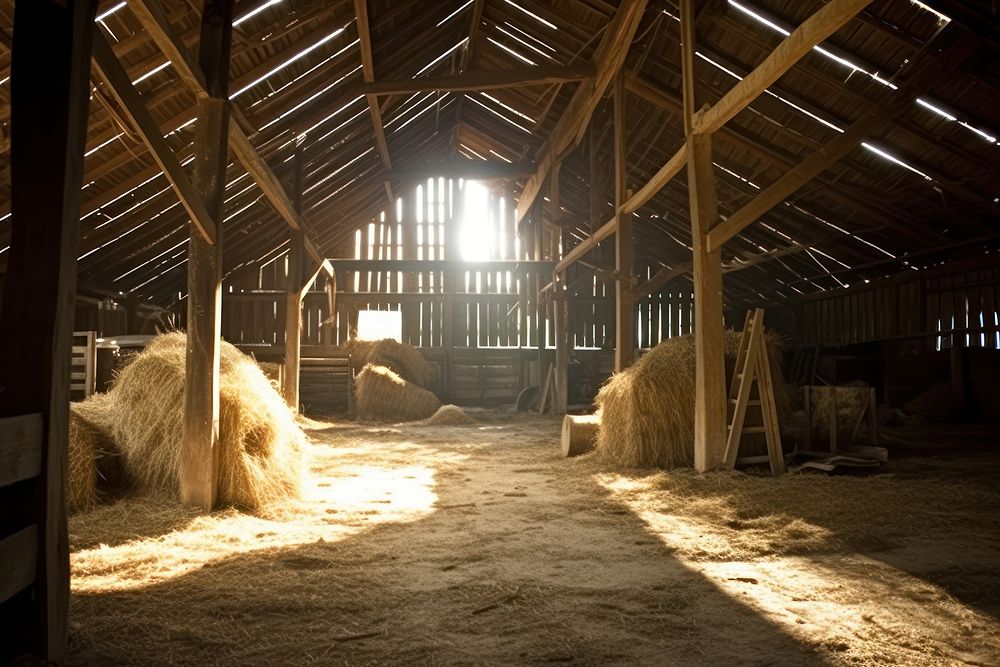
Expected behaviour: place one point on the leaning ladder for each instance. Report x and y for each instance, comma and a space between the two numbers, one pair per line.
753, 370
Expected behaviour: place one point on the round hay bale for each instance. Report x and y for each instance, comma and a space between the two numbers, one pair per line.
94, 468
260, 445
404, 360
579, 434
382, 395
449, 415
647, 410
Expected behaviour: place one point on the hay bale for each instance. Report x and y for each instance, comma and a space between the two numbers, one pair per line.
449, 415
89, 442
382, 395
404, 360
579, 434
260, 446
647, 411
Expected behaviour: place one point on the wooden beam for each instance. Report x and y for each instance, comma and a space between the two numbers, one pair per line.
608, 59
50, 92
475, 20
475, 80
199, 456
293, 297
876, 117
131, 103
153, 19
710, 407
710, 383
663, 176
624, 251
462, 168
421, 265
811, 32
368, 73
588, 244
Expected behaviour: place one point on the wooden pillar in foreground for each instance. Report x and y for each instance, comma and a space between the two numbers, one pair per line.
710, 381
624, 308
198, 472
293, 296
50, 91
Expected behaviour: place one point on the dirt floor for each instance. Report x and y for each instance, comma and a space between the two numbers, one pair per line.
480, 545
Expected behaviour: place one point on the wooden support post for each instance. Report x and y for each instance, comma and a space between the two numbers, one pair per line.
710, 383
624, 307
198, 470
560, 304
293, 295
50, 91
710, 365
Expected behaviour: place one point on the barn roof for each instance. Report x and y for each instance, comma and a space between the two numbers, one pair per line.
921, 189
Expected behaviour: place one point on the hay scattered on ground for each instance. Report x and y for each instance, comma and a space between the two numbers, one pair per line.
449, 415
647, 411
260, 448
95, 461
406, 361
382, 395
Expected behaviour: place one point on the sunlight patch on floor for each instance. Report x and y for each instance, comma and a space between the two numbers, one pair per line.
803, 576
339, 501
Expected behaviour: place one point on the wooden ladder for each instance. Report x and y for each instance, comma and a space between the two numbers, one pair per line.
753, 368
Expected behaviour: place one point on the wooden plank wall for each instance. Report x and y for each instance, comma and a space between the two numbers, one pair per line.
491, 350
955, 304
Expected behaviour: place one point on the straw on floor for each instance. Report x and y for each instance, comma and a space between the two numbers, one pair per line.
449, 415
647, 411
404, 360
95, 468
260, 446
382, 395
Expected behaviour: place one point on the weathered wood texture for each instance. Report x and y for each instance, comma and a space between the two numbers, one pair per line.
50, 90
199, 458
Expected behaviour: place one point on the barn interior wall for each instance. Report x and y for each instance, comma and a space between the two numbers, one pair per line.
912, 331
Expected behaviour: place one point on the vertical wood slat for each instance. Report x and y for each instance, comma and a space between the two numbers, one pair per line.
21, 440
49, 96
18, 561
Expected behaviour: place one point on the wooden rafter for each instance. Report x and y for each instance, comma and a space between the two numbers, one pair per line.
475, 20
876, 117
131, 103
368, 72
568, 131
474, 80
157, 25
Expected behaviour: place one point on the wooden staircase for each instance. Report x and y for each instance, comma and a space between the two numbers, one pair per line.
752, 376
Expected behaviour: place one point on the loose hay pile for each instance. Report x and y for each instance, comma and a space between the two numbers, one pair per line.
449, 415
95, 468
647, 411
260, 447
405, 361
382, 395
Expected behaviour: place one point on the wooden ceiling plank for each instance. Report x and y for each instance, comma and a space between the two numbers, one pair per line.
877, 116
569, 129
476, 80
131, 102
